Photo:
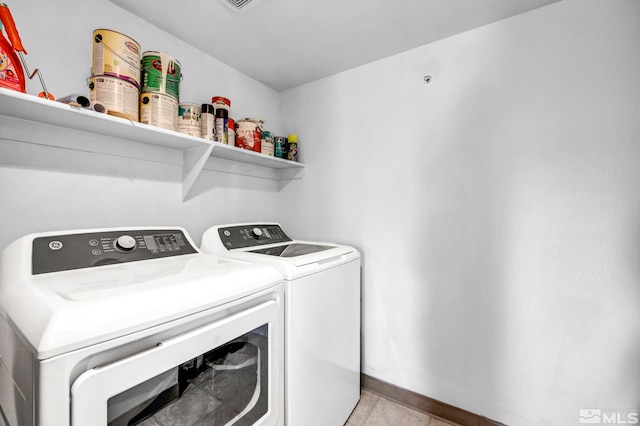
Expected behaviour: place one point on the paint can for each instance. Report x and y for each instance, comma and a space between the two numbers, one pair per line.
189, 119
161, 73
221, 102
120, 97
159, 110
116, 55
267, 144
281, 146
208, 122
249, 134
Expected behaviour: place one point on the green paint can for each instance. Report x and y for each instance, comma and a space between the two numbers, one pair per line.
161, 73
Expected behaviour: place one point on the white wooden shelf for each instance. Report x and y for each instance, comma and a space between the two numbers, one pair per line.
31, 119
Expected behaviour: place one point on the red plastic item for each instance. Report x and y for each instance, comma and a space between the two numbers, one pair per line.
11, 72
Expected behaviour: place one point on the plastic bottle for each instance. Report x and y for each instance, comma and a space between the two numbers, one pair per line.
11, 72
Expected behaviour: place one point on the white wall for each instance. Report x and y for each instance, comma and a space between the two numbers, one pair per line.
38, 194
497, 210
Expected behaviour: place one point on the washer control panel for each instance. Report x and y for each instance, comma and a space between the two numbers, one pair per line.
77, 251
234, 237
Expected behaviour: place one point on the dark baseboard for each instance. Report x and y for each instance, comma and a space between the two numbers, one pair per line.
424, 403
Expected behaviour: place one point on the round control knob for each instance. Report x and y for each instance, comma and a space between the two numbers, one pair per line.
125, 243
257, 232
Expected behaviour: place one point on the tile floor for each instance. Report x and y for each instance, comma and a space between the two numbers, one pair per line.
375, 410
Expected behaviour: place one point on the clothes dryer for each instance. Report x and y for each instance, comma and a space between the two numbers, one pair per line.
322, 316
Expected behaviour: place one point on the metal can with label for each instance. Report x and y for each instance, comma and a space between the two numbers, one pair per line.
267, 147
231, 132
249, 134
222, 121
161, 73
221, 102
159, 110
208, 122
280, 146
120, 97
293, 147
116, 55
189, 119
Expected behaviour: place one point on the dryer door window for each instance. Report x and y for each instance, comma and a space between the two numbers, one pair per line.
189, 380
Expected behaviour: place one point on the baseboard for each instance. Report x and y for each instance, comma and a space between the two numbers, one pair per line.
424, 403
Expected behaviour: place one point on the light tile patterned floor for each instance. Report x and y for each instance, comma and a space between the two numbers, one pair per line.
374, 410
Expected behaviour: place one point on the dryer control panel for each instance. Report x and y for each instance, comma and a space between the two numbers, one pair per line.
234, 237
77, 251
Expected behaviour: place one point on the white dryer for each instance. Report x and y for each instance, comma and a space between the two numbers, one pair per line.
322, 338
127, 326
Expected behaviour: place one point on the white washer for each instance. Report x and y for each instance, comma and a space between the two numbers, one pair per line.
322, 338
108, 326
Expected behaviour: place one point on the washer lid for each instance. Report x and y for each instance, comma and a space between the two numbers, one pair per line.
292, 250
301, 265
267, 243
58, 312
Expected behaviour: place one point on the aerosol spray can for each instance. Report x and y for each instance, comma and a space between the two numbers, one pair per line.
222, 115
293, 147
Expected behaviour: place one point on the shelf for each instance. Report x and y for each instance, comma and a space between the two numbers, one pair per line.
35, 116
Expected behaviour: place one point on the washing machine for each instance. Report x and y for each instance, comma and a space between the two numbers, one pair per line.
322, 316
126, 326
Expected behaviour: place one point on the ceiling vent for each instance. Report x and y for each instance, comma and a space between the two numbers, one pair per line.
241, 6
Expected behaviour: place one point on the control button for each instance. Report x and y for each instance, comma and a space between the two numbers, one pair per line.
55, 245
96, 252
257, 232
125, 243
93, 242
227, 233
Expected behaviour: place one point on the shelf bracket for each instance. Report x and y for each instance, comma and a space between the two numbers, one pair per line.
193, 161
291, 173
